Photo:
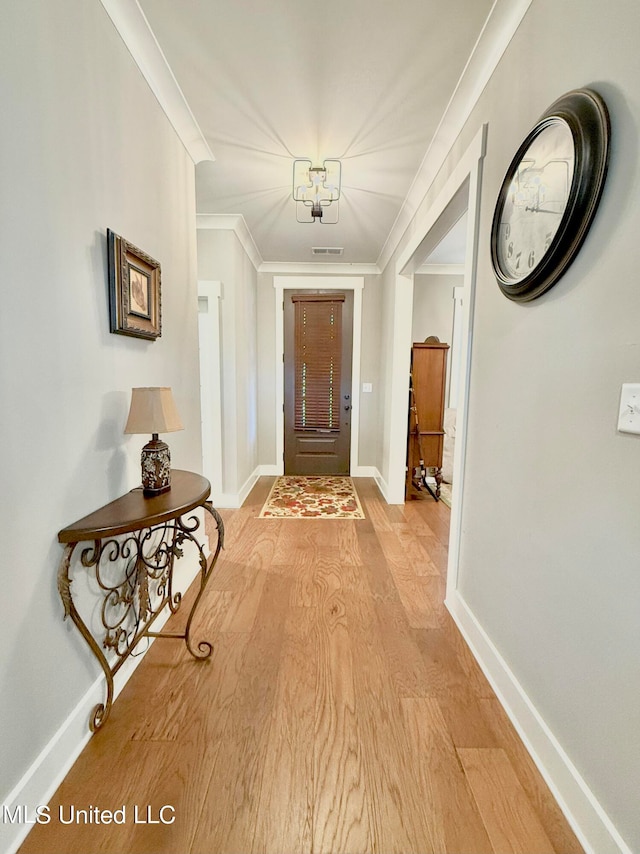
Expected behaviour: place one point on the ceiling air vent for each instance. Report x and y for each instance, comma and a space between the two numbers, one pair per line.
327, 250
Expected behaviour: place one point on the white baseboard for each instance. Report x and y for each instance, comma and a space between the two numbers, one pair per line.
234, 500
248, 485
49, 769
382, 485
365, 471
590, 822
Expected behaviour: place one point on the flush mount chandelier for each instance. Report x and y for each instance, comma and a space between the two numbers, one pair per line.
316, 190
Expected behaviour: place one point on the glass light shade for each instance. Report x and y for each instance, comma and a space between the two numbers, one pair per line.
315, 188
325, 180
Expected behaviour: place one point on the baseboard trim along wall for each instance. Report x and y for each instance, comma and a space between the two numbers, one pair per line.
590, 822
41, 780
383, 486
234, 500
365, 471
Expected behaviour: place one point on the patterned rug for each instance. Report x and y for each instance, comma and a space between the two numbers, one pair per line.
321, 497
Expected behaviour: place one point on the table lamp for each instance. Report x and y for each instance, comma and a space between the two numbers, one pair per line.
153, 410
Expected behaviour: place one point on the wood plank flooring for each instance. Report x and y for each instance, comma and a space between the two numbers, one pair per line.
341, 711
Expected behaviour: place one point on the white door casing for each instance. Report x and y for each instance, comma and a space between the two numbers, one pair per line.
461, 189
209, 294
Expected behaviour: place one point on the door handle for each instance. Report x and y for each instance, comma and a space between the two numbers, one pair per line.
347, 408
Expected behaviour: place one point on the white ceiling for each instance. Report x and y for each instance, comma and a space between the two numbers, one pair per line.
366, 81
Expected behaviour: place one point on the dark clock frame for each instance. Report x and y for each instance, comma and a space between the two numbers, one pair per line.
587, 117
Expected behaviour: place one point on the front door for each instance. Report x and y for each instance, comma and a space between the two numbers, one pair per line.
318, 328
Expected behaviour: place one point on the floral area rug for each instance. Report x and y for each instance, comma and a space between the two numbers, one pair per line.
320, 497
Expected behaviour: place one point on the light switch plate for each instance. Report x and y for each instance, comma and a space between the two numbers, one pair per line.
629, 415
367, 387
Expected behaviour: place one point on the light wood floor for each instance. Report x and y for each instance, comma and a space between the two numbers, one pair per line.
341, 710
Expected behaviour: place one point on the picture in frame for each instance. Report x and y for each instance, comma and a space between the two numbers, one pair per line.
134, 290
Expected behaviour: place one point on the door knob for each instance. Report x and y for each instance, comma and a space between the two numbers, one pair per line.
347, 408
346, 397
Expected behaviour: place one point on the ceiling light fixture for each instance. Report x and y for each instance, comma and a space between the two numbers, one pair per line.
316, 190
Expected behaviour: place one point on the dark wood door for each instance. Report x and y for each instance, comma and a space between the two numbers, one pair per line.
318, 330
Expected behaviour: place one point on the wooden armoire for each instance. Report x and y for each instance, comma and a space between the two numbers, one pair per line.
426, 411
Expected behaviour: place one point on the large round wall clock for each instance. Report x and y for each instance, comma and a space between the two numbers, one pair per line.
549, 195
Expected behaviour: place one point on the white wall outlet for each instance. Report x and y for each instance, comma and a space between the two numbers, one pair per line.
629, 416
367, 387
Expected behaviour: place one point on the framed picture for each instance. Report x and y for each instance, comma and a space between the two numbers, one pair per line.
134, 290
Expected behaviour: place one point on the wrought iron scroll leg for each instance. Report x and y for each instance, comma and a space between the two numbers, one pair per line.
204, 647
174, 599
208, 506
102, 710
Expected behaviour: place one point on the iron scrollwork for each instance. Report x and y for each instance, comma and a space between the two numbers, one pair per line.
134, 575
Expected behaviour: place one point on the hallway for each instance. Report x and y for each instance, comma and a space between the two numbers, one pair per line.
341, 710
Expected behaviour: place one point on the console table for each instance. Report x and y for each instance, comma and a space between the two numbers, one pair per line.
135, 541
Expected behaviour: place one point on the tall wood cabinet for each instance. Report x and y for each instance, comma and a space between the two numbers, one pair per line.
426, 409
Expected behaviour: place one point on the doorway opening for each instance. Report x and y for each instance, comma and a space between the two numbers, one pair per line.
438, 305
460, 194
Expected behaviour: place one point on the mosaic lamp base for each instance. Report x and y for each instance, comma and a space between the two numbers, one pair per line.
156, 467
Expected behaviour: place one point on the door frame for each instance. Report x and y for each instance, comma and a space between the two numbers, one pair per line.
462, 187
335, 283
338, 462
455, 362
209, 296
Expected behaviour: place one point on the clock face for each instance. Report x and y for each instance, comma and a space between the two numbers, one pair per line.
535, 201
549, 195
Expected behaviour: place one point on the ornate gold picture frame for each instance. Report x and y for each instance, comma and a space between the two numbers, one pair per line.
134, 290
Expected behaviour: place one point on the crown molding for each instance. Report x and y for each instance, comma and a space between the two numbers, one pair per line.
237, 224
319, 267
133, 27
500, 27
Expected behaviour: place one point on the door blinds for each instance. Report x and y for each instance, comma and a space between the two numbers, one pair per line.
318, 355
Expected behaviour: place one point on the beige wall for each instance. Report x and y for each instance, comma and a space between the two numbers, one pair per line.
550, 533
433, 312
550, 544
369, 436
370, 371
84, 147
555, 591
433, 306
267, 370
222, 258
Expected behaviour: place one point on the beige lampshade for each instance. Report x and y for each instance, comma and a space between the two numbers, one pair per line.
153, 410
